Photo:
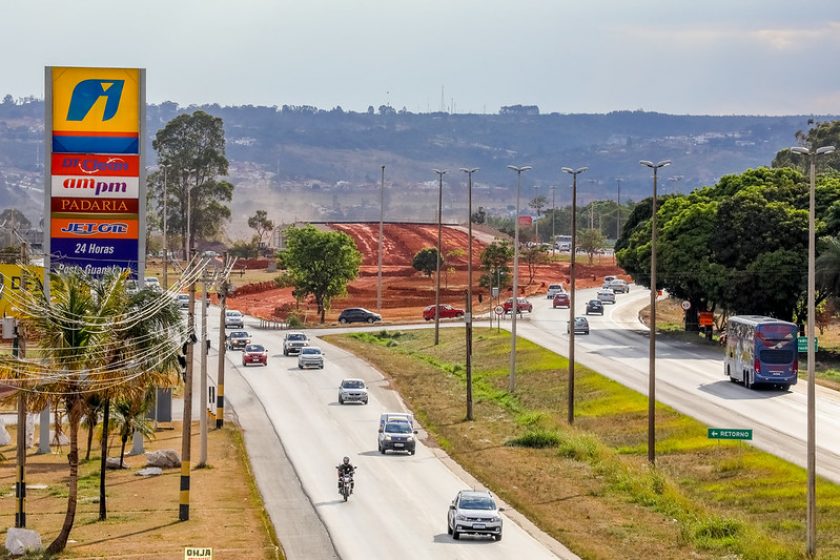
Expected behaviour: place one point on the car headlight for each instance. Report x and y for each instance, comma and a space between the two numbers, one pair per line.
387, 438
495, 519
410, 438
459, 517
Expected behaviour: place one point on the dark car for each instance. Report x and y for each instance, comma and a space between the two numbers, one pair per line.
562, 300
255, 354
522, 304
594, 306
446, 312
358, 315
581, 326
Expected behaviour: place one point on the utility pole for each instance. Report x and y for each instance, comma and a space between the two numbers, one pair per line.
440, 174
220, 375
379, 250
186, 432
553, 213
469, 314
20, 482
202, 461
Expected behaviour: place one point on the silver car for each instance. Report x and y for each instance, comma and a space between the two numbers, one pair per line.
474, 512
310, 357
352, 390
606, 296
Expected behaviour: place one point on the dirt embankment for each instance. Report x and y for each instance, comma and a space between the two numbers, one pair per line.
405, 291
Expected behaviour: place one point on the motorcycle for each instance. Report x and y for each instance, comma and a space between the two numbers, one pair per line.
345, 485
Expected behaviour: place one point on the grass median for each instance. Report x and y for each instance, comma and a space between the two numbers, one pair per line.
590, 485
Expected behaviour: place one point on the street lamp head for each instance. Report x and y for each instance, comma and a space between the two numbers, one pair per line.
800, 150
519, 169
825, 150
469, 170
439, 171
652, 165
571, 171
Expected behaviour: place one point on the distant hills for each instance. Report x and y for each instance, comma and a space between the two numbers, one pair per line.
304, 163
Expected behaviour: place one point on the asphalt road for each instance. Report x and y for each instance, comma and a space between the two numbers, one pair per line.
691, 378
400, 504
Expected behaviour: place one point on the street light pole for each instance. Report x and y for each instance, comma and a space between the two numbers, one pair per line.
571, 391
514, 310
553, 213
537, 221
440, 174
811, 515
379, 250
468, 317
652, 349
165, 248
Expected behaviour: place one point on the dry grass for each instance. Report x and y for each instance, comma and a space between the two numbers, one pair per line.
593, 490
226, 511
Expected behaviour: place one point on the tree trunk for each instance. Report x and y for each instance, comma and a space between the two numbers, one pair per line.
75, 417
106, 410
92, 421
124, 439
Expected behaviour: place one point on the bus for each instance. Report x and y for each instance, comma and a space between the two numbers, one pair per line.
761, 351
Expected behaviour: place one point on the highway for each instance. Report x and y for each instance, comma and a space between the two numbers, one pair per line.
690, 378
401, 501
400, 505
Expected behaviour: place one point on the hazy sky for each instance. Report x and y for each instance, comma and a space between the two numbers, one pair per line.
769, 57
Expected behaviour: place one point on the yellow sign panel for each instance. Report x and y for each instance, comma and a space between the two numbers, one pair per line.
13, 280
198, 553
96, 100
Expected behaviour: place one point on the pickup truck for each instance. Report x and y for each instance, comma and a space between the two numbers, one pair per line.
293, 342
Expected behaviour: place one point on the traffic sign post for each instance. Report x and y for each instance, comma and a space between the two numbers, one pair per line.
802, 344
499, 310
730, 433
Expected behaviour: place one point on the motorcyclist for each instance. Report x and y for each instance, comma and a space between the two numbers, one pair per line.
345, 468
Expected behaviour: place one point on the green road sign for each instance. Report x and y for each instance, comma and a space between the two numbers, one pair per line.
802, 343
729, 433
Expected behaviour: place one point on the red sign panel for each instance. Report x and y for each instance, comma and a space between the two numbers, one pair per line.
525, 220
94, 205
95, 165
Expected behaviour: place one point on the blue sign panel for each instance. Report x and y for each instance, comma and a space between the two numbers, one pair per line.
93, 256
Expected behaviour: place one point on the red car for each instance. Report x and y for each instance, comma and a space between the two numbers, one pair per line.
562, 300
446, 312
522, 304
255, 354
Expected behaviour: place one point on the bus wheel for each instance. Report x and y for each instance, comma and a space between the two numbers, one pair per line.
784, 387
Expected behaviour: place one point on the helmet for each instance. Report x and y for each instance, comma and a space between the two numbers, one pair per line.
346, 460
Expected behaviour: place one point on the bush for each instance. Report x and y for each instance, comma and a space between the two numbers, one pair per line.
537, 439
283, 280
294, 321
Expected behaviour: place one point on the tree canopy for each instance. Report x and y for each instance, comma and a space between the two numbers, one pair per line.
739, 246
320, 263
426, 260
191, 157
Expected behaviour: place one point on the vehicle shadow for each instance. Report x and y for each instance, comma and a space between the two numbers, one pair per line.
442, 538
725, 389
330, 503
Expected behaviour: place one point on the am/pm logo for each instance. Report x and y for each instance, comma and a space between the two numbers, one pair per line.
94, 187
95, 110
99, 229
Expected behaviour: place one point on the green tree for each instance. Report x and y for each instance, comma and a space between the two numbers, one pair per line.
591, 241
821, 134
534, 255
426, 260
538, 203
260, 223
192, 149
320, 263
495, 260
78, 329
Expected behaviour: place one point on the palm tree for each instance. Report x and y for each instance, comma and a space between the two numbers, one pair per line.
130, 417
87, 333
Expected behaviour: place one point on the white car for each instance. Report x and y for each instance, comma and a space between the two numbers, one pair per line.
606, 296
234, 319
352, 390
151, 282
554, 289
310, 357
183, 300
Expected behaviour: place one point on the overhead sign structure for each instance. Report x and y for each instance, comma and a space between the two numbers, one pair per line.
729, 433
95, 191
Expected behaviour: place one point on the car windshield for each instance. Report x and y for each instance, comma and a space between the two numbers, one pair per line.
555, 287
398, 428
311, 351
254, 348
239, 334
485, 504
232, 313
297, 337
353, 384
